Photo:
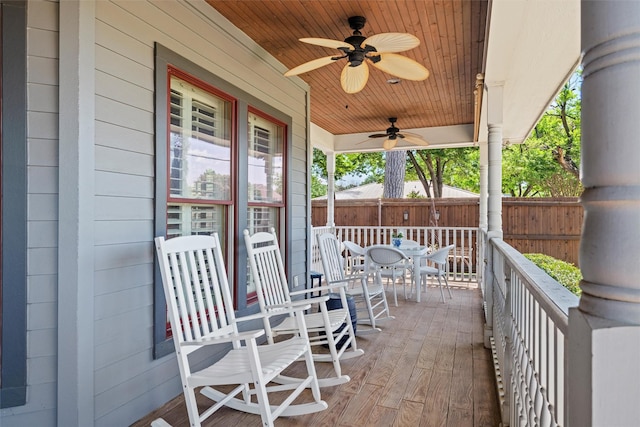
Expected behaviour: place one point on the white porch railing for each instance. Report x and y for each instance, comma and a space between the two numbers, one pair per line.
463, 264
528, 312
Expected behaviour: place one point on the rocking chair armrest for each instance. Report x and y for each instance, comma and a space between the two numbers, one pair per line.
244, 335
318, 289
332, 287
287, 308
290, 307
249, 317
345, 281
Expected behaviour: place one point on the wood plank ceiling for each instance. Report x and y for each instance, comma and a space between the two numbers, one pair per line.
451, 33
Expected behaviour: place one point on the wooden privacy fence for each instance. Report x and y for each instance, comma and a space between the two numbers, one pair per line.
550, 226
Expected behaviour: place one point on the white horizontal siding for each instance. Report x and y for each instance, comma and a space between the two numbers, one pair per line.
110, 183
43, 97
126, 255
128, 382
125, 162
42, 179
110, 135
42, 234
42, 152
117, 279
43, 43
42, 207
42, 70
42, 125
42, 289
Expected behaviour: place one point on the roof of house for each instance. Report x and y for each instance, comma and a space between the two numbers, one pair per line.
374, 191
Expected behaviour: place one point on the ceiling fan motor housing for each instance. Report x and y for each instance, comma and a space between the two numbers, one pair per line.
356, 23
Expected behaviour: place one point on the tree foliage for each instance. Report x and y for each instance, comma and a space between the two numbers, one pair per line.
435, 168
546, 164
364, 165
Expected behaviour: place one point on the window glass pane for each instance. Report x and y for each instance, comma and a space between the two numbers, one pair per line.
261, 219
200, 143
185, 220
266, 143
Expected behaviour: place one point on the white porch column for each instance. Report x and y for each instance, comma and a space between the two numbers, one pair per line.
494, 154
604, 330
494, 203
484, 185
76, 370
331, 191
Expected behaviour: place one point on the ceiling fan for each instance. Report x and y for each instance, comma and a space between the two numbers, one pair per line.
379, 50
393, 134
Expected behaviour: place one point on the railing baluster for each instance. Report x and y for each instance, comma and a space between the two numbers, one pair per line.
538, 310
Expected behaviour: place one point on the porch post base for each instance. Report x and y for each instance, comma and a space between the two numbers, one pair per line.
488, 334
604, 371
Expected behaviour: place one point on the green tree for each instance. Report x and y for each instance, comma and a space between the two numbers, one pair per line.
318, 188
547, 163
455, 166
359, 164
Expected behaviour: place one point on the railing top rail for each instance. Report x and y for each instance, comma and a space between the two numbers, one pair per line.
553, 297
394, 227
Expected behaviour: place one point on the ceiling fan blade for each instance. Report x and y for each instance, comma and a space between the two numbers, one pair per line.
354, 79
378, 135
415, 140
388, 144
392, 42
309, 66
334, 44
401, 66
409, 134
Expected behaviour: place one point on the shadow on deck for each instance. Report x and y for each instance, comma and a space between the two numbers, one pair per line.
427, 367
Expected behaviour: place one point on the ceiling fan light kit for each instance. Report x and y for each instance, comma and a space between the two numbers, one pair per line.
379, 50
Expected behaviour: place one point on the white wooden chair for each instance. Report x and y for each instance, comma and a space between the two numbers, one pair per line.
438, 269
325, 326
371, 301
202, 318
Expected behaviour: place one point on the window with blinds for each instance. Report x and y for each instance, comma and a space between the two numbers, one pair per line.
266, 177
199, 159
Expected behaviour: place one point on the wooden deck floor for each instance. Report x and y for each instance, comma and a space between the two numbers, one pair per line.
427, 367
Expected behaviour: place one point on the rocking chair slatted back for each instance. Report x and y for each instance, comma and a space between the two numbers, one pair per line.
192, 284
332, 260
270, 270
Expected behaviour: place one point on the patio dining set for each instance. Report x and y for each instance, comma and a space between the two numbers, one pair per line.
295, 325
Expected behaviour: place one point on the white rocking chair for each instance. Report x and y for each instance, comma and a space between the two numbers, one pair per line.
324, 325
371, 300
201, 313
